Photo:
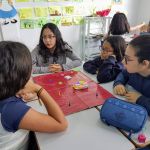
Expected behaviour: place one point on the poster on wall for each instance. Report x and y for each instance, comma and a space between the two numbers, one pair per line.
7, 12
66, 21
41, 11
71, 12
68, 10
54, 10
56, 20
27, 24
26, 13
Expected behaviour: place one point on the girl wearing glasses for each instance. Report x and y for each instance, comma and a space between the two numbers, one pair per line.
50, 56
137, 73
108, 64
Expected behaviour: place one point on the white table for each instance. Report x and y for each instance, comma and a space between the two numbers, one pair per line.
146, 129
85, 132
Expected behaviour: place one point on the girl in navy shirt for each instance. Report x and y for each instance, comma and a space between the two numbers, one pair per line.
17, 118
137, 73
108, 65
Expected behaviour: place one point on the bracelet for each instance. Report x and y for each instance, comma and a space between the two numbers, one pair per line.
39, 92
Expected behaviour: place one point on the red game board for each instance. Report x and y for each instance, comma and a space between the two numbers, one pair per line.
69, 99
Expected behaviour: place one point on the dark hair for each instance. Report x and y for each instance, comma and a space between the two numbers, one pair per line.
15, 68
118, 44
141, 44
119, 25
60, 44
148, 28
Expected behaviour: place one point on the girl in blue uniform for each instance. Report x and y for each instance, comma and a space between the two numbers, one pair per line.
137, 73
108, 65
17, 118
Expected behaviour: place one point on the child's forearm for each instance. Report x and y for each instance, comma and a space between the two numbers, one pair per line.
137, 27
52, 107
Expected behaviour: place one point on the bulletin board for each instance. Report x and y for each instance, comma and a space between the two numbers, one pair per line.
59, 12
69, 99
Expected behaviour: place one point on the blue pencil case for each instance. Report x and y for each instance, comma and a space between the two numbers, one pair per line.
124, 115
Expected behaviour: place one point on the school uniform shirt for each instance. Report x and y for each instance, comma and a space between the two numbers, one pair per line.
12, 111
139, 83
106, 70
145, 33
40, 67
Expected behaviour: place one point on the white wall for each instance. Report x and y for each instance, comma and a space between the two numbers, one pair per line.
131, 10
143, 11
137, 12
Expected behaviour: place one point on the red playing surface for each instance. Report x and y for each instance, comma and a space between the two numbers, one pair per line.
71, 100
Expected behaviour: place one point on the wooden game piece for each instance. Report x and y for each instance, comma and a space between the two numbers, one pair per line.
60, 82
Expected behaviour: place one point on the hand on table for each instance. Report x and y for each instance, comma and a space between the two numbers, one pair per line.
29, 92
120, 90
54, 68
132, 96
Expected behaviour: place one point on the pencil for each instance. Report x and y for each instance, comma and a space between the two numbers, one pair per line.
96, 95
40, 102
69, 104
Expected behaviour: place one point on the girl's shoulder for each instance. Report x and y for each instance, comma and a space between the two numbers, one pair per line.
36, 49
12, 103
10, 121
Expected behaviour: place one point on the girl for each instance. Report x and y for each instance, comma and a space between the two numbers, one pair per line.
16, 118
137, 73
108, 65
120, 25
52, 52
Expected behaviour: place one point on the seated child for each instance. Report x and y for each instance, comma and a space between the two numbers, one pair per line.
120, 25
137, 73
146, 30
17, 118
52, 52
108, 64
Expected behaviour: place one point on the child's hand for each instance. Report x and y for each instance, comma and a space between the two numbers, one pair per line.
27, 96
29, 91
120, 90
54, 68
105, 55
132, 96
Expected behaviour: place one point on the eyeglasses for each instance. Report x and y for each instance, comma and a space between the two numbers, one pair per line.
49, 37
107, 50
126, 59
